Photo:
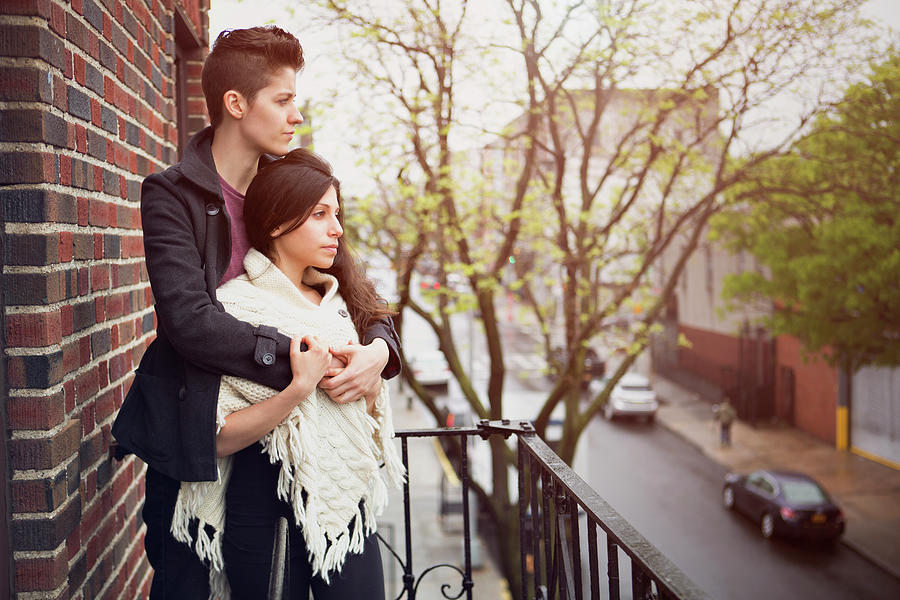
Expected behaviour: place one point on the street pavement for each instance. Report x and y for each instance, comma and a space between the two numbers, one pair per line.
868, 492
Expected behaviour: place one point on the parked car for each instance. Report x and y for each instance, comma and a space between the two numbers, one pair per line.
784, 503
430, 368
632, 396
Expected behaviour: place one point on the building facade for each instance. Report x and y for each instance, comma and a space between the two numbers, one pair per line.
772, 378
94, 96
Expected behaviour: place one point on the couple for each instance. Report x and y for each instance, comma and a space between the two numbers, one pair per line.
261, 397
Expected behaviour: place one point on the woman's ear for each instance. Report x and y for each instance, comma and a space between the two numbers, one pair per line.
235, 104
277, 231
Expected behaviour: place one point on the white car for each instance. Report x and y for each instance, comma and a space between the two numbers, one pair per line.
430, 368
631, 396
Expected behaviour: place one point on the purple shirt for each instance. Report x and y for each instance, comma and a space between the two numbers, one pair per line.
240, 245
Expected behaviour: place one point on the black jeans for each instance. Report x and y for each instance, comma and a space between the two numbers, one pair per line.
178, 573
252, 511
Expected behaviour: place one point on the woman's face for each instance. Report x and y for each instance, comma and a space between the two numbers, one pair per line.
315, 242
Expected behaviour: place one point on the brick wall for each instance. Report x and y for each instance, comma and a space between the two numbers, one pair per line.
815, 388
88, 108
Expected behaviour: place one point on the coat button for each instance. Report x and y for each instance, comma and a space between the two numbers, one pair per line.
268, 358
211, 209
343, 313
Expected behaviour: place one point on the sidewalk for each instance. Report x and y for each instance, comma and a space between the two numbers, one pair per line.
433, 542
868, 492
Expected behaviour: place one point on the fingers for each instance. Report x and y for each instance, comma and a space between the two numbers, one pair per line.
311, 363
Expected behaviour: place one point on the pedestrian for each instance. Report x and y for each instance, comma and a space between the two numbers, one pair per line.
297, 454
725, 415
194, 240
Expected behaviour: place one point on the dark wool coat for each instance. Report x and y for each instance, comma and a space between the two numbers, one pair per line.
168, 418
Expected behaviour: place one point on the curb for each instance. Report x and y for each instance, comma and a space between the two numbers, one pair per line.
893, 570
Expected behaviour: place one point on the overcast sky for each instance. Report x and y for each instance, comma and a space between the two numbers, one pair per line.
319, 74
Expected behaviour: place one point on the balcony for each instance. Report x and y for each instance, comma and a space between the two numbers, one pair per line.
573, 545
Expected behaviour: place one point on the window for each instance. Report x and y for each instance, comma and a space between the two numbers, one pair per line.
188, 48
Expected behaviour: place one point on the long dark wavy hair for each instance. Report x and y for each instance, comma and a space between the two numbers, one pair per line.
287, 191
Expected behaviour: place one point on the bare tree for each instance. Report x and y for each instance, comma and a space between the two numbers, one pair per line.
615, 129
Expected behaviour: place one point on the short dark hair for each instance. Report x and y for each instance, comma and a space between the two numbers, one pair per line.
287, 191
243, 60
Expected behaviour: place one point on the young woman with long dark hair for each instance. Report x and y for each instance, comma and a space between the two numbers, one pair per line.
297, 453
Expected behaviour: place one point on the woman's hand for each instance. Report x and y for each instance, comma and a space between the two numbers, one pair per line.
362, 373
308, 367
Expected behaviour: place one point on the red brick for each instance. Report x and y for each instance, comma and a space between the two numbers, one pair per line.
98, 216
30, 330
60, 94
71, 356
80, 139
98, 178
132, 246
38, 495
95, 113
86, 385
87, 418
78, 6
51, 168
79, 65
67, 318
69, 391
93, 45
100, 281
65, 166
45, 452
39, 413
103, 370
41, 574
33, 8
58, 19
104, 406
83, 281
66, 248
98, 237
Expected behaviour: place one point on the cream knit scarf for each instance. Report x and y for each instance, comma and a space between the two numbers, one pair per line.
332, 452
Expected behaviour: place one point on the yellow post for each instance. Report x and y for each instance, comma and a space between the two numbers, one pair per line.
842, 433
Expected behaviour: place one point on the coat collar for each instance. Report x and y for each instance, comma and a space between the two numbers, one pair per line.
198, 165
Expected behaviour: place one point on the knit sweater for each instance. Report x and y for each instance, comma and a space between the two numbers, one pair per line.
330, 451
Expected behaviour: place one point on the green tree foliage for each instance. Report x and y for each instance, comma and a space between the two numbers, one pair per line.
824, 223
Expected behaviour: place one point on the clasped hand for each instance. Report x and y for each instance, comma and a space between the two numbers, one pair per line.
345, 373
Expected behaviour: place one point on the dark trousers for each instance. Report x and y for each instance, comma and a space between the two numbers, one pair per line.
252, 511
725, 434
178, 573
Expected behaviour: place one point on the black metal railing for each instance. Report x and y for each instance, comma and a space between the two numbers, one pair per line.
563, 523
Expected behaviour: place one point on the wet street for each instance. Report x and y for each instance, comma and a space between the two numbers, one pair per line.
671, 493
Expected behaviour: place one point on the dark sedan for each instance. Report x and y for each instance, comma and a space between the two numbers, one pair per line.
784, 503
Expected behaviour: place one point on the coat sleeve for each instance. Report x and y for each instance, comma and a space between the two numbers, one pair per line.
384, 328
199, 329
